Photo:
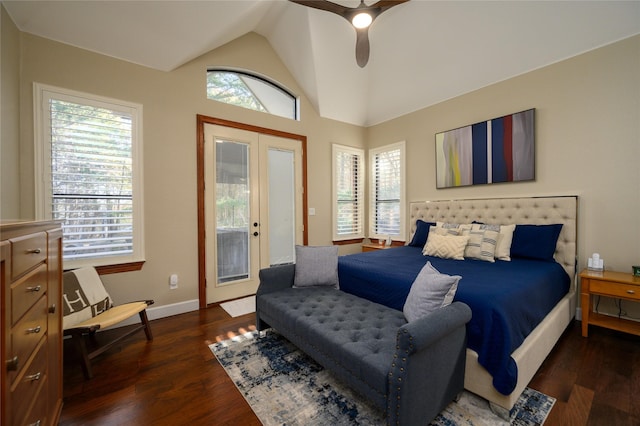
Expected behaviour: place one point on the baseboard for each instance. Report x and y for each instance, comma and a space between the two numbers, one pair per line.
157, 312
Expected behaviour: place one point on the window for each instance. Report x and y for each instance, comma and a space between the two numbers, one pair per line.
386, 214
88, 169
251, 91
348, 198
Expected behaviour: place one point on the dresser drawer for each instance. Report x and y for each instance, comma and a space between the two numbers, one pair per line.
28, 332
627, 291
37, 416
27, 252
27, 291
30, 385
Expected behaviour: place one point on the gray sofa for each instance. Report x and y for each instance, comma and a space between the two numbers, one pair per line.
411, 371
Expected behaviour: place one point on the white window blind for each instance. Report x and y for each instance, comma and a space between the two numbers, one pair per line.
348, 177
90, 178
387, 191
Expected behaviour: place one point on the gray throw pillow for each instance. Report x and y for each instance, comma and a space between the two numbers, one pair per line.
431, 290
316, 266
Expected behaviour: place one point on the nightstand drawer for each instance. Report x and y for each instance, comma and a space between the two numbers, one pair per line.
627, 291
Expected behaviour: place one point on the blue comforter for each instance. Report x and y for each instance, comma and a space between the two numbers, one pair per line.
508, 299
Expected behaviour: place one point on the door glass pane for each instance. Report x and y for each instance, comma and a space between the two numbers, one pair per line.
282, 235
232, 210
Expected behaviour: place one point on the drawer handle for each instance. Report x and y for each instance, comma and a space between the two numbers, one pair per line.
631, 292
34, 330
34, 289
33, 377
36, 423
34, 251
12, 364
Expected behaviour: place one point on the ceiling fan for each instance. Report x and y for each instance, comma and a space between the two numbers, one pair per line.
360, 17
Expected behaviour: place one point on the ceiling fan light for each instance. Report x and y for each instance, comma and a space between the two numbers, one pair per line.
362, 20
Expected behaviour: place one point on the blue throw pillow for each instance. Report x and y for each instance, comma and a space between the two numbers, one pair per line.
535, 241
422, 232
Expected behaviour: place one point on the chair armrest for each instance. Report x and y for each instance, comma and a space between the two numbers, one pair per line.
149, 302
429, 365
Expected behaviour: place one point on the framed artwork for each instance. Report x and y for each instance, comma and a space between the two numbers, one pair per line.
493, 151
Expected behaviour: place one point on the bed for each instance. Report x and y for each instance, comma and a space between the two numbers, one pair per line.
507, 339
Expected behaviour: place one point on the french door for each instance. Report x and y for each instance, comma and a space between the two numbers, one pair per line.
253, 207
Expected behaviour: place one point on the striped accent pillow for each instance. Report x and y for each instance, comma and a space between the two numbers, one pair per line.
505, 236
482, 245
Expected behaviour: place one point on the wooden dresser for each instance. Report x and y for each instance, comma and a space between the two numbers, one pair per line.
31, 332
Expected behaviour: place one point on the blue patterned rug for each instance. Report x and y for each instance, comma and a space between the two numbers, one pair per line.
284, 386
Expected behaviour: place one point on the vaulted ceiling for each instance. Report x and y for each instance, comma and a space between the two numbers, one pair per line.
422, 52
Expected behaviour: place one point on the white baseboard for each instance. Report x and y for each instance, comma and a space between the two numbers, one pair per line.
157, 312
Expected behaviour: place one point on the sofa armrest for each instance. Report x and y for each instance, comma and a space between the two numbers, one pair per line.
428, 369
276, 278
272, 279
425, 331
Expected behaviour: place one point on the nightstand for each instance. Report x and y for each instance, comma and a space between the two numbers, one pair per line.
373, 247
618, 285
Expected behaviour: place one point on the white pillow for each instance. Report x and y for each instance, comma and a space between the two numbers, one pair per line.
482, 245
430, 290
446, 246
316, 266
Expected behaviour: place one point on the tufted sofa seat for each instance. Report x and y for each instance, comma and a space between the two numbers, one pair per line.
409, 370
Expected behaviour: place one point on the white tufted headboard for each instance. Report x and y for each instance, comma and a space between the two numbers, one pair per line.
505, 211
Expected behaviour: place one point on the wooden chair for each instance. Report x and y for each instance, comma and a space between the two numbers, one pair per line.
89, 308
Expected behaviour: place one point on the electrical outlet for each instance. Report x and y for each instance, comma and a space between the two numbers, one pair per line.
173, 281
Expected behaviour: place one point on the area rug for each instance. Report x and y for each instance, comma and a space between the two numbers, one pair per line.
240, 307
284, 386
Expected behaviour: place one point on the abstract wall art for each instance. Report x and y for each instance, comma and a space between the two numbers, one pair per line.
497, 150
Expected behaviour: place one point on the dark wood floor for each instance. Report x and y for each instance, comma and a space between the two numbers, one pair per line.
175, 380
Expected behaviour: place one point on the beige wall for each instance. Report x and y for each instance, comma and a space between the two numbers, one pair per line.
587, 144
170, 102
587, 136
9, 118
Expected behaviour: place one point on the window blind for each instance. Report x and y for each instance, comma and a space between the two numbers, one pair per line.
92, 179
348, 182
387, 192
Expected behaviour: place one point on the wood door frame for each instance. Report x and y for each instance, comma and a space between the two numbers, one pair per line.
201, 120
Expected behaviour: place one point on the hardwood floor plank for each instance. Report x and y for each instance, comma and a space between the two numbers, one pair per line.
175, 379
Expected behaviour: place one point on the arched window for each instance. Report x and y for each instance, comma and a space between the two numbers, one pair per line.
251, 91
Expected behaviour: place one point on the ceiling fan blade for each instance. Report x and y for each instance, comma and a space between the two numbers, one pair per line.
325, 5
362, 46
386, 4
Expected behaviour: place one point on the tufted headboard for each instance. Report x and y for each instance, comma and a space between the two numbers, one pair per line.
504, 211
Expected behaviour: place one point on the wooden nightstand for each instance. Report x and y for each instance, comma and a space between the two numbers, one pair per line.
618, 285
373, 247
